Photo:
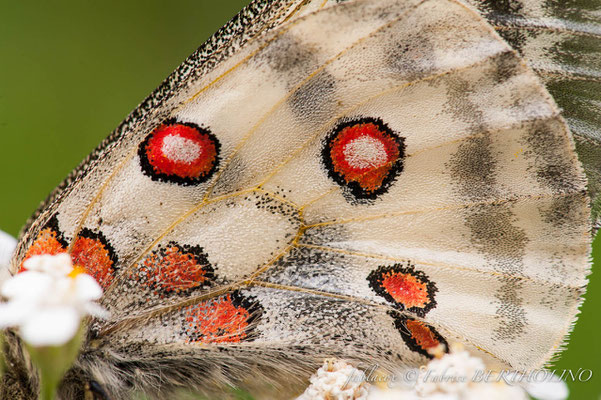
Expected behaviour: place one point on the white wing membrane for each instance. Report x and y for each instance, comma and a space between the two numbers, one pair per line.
446, 237
439, 178
388, 57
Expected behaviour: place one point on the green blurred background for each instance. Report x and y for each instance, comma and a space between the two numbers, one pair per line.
70, 71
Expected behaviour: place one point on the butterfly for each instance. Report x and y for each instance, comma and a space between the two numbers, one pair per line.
366, 180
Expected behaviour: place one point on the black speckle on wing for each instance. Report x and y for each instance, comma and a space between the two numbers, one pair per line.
494, 234
460, 104
305, 267
498, 8
554, 167
473, 168
413, 58
507, 65
315, 100
565, 213
289, 56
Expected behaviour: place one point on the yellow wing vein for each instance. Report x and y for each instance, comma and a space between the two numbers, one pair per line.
434, 264
264, 117
206, 200
132, 321
121, 165
349, 110
436, 209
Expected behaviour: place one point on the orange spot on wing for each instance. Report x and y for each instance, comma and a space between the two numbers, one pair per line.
226, 319
422, 334
406, 289
174, 269
93, 255
47, 242
419, 336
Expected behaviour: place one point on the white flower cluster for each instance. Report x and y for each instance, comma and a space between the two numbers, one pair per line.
460, 368
47, 301
333, 381
7, 247
337, 380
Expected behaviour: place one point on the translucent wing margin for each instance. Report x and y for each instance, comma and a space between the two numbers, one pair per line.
562, 42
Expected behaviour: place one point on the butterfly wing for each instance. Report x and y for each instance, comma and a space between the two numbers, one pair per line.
366, 180
561, 42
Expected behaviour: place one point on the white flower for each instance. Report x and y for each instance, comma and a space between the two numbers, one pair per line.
552, 388
454, 377
7, 247
47, 301
55, 265
336, 380
450, 374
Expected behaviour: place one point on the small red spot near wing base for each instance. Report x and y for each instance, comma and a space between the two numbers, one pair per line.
175, 269
226, 319
92, 252
418, 336
49, 241
46, 243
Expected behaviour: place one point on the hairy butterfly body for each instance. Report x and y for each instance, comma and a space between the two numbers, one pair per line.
366, 180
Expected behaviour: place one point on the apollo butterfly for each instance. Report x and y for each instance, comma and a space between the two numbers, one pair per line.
360, 179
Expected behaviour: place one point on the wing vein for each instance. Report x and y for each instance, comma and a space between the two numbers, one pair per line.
305, 81
433, 264
528, 25
498, 130
366, 101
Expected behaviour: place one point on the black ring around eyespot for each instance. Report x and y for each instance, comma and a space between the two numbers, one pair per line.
353, 187
401, 323
376, 282
151, 171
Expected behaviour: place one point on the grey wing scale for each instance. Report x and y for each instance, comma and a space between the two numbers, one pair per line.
562, 42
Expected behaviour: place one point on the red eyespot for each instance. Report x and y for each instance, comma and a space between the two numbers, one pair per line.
406, 288
419, 336
49, 241
175, 269
225, 319
92, 252
364, 155
181, 153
